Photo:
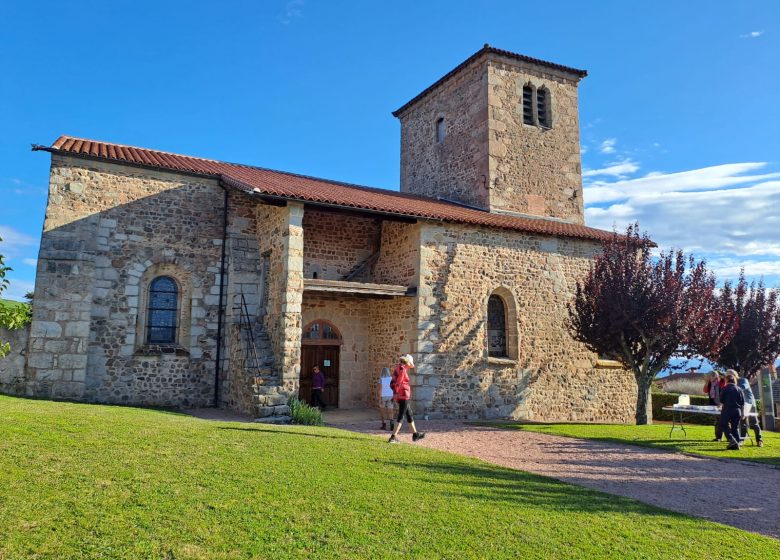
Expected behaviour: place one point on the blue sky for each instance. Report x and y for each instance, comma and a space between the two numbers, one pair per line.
679, 115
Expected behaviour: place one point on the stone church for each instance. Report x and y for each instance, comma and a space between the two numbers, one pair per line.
171, 280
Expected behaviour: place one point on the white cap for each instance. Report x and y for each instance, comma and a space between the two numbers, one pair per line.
409, 359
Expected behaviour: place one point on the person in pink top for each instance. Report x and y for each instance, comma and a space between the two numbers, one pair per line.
402, 394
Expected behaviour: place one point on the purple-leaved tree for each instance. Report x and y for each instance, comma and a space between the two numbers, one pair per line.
756, 342
641, 310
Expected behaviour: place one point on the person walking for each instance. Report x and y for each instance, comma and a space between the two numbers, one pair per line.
402, 394
317, 387
751, 421
733, 403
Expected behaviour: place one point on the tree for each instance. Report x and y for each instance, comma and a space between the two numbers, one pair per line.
756, 342
641, 310
4, 346
13, 315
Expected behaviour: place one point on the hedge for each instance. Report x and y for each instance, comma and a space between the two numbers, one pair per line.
661, 400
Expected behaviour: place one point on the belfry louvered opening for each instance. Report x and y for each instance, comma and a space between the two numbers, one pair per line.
537, 109
543, 107
528, 104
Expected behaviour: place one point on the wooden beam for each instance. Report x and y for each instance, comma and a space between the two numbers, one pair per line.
355, 288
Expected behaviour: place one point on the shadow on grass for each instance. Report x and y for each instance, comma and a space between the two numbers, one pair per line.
161, 409
498, 484
699, 447
289, 432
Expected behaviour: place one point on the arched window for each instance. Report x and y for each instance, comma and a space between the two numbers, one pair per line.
496, 327
543, 107
441, 130
321, 332
163, 310
528, 104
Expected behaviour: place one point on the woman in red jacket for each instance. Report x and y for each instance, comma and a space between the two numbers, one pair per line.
402, 394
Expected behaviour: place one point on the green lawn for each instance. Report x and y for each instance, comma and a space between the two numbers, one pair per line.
698, 439
85, 481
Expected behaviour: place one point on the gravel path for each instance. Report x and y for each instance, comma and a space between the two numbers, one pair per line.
734, 493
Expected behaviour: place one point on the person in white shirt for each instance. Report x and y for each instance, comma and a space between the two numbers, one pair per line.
386, 404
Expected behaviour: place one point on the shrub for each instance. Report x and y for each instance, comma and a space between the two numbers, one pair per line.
302, 413
661, 400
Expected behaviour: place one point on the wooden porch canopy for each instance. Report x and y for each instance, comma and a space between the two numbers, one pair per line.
357, 288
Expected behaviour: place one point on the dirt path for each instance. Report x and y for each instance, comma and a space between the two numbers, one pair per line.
734, 493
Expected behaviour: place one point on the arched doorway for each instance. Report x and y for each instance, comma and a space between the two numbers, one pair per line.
320, 346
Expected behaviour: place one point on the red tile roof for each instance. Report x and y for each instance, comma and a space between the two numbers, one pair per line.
290, 186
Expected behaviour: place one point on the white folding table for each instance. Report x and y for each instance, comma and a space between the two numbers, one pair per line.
679, 412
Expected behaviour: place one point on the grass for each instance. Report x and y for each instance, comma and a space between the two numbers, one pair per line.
698, 440
88, 481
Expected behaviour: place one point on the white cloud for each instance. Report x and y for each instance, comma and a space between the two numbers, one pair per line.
30, 262
292, 10
17, 289
728, 268
613, 169
726, 213
608, 146
655, 183
15, 243
752, 35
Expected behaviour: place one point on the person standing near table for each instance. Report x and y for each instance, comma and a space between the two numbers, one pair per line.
752, 421
712, 389
733, 402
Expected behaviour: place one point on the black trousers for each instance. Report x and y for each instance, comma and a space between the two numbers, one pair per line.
316, 398
403, 408
729, 425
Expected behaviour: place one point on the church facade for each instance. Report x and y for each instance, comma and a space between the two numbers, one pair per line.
171, 280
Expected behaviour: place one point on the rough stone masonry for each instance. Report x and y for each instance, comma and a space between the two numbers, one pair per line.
490, 211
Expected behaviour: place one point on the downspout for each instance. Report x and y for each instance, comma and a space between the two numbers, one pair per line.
221, 307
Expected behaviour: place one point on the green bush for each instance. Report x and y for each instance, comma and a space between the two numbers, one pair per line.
302, 413
661, 400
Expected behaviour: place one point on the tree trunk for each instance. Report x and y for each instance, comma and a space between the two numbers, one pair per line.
644, 408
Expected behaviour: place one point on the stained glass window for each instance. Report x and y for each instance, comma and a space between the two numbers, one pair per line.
163, 306
496, 327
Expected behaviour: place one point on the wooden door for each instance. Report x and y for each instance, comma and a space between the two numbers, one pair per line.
327, 357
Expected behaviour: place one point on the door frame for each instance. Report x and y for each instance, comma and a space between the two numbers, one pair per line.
322, 333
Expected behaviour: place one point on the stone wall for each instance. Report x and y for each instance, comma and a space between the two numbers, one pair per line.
108, 231
12, 380
550, 377
489, 157
533, 170
392, 326
351, 316
246, 276
374, 333
399, 256
280, 238
336, 243
456, 168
